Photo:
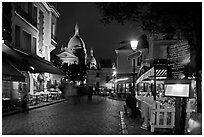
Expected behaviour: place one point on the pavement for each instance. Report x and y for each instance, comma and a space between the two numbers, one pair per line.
96, 117
128, 125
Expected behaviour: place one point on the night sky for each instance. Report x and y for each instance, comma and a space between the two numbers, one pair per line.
104, 39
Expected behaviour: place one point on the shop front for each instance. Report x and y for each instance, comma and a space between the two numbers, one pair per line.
158, 109
13, 85
123, 85
36, 71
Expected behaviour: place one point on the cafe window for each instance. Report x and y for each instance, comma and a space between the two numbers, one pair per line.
17, 36
30, 9
35, 13
34, 45
6, 24
26, 42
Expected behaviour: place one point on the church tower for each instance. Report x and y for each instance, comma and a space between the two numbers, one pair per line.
92, 61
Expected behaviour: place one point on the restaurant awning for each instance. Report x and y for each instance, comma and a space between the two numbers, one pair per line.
10, 73
28, 62
152, 72
157, 68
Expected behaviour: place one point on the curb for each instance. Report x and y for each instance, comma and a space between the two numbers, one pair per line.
124, 130
10, 113
51, 103
116, 98
35, 107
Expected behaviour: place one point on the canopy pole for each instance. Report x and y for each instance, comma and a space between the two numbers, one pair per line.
155, 86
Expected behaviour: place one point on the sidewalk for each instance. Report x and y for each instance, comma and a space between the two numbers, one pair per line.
41, 104
131, 126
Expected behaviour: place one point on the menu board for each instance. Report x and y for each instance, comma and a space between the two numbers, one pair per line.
178, 57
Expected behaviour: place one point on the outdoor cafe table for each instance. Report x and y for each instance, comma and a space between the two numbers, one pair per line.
6, 102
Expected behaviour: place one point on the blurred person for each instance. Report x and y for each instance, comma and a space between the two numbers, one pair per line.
195, 124
25, 104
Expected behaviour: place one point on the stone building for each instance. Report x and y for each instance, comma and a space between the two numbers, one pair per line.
28, 38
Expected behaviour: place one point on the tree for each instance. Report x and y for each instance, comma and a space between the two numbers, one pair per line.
170, 19
75, 72
56, 60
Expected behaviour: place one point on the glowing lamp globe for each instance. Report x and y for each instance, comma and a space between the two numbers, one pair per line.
134, 44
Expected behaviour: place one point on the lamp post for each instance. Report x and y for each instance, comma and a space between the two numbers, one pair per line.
134, 47
114, 75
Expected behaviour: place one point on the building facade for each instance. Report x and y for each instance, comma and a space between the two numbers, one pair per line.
147, 51
29, 30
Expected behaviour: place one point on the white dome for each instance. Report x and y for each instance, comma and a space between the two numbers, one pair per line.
76, 42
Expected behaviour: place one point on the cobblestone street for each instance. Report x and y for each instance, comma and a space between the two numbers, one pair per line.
98, 117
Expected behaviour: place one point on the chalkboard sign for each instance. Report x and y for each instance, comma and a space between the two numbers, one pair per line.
178, 57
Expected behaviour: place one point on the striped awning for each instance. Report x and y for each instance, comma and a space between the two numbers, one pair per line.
161, 72
151, 73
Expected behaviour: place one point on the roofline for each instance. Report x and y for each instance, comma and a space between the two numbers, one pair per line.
52, 9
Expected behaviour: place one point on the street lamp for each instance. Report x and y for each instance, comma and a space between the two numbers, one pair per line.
114, 75
134, 47
134, 44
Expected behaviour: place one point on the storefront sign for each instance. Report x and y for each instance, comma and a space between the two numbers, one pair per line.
178, 58
145, 75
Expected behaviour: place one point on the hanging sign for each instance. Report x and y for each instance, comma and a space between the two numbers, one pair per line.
134, 55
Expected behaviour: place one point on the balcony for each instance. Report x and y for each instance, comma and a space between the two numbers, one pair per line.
54, 37
7, 35
26, 16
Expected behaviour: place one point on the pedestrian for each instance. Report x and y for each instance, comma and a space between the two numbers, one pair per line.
90, 93
128, 101
133, 105
76, 95
25, 104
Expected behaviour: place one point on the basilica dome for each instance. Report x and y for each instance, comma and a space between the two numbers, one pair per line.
76, 42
